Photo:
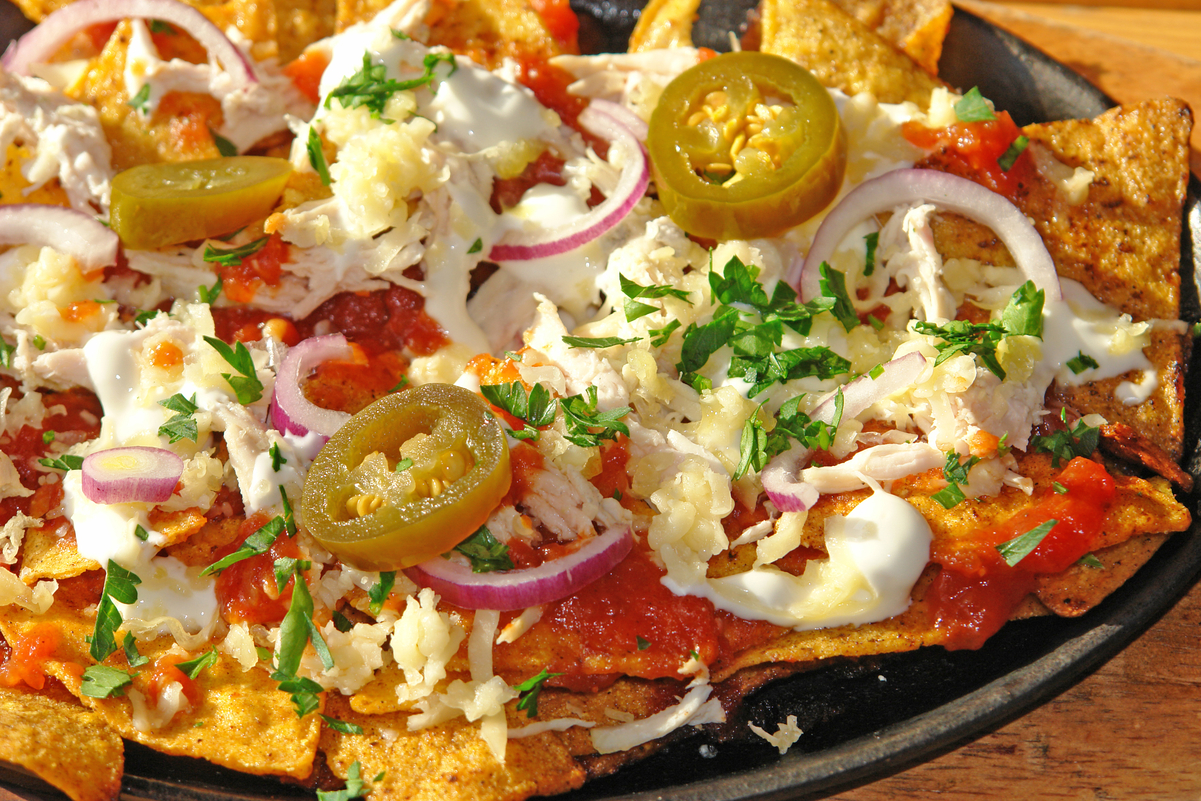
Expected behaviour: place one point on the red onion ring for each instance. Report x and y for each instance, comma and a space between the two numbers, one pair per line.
623, 115
126, 475
291, 411
947, 191
520, 589
40, 44
80, 236
635, 178
781, 476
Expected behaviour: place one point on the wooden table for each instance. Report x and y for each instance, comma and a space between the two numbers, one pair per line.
1132, 729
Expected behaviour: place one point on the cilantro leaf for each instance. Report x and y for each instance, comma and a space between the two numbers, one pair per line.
209, 294
182, 425
225, 147
972, 107
193, 667
834, 285
277, 458
1081, 362
659, 336
1021, 546
633, 290
130, 646
101, 681
380, 591
1007, 159
580, 416
529, 690
870, 242
257, 543
485, 552
141, 101
1023, 315
6, 354
535, 408
342, 726
372, 88
356, 787
246, 385
120, 585
294, 630
1090, 560
65, 462
955, 472
231, 257
1067, 443
597, 342
317, 156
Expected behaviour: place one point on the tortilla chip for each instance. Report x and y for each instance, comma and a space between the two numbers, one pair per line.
61, 743
299, 23
1081, 587
664, 23
243, 721
449, 760
49, 553
916, 27
841, 51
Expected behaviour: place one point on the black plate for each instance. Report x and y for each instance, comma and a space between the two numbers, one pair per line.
866, 718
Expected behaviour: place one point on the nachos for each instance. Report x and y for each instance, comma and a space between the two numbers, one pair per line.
397, 402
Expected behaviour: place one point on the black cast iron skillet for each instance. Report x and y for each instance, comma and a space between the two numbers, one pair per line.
862, 719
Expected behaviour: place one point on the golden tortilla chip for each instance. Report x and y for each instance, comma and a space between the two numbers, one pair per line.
47, 554
1081, 587
664, 23
916, 27
841, 51
61, 743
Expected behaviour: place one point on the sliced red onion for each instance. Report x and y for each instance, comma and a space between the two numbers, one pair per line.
947, 192
520, 589
857, 395
782, 483
40, 44
80, 236
291, 411
623, 115
635, 178
127, 475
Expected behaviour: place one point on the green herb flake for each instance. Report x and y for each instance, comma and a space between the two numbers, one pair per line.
1091, 561
65, 462
380, 591
246, 384
225, 147
130, 646
232, 257
403, 465
101, 681
277, 458
1081, 362
6, 354
972, 107
341, 622
535, 408
597, 342
181, 425
355, 786
192, 668
317, 156
834, 285
1011, 154
141, 101
659, 336
165, 28
870, 243
47, 437
120, 586
1067, 443
485, 552
141, 533
257, 543
1021, 546
643, 644
341, 726
209, 295
476, 246
529, 690
1060, 489
582, 419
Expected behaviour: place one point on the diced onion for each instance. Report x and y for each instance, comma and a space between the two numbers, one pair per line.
40, 44
946, 191
519, 589
631, 186
291, 411
781, 476
83, 238
128, 475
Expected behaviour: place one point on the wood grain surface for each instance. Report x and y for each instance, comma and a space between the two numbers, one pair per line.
1132, 729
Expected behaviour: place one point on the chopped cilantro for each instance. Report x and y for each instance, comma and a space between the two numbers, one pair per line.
317, 156
1015, 149
535, 408
1022, 316
182, 425
295, 632
403, 465
120, 586
225, 147
39, 341
246, 385
634, 308
193, 667
955, 472
597, 342
1067, 443
870, 242
285, 567
485, 552
288, 518
209, 294
659, 336
1081, 362
380, 591
972, 107
277, 458
6, 354
101, 681
231, 257
1090, 560
1021, 546
834, 285
141, 101
141, 533
64, 462
372, 88
341, 622
643, 644
476, 246
529, 690
581, 417
356, 787
158, 26
47, 437
257, 543
342, 726
130, 646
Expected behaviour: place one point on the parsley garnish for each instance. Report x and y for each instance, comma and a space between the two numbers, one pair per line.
39, 341
1067, 443
246, 386
120, 585
371, 86
209, 294
6, 354
1081, 362
341, 622
581, 416
141, 101
356, 787
642, 644
529, 690
317, 156
342, 726
295, 631
476, 246
955, 472
1022, 316
181, 425
288, 518
1090, 560
130, 646
380, 591
535, 408
193, 667
834, 285
597, 342
277, 458
1015, 149
757, 446
403, 465
64, 462
47, 437
158, 26
659, 336
870, 242
634, 308
257, 543
1060, 489
972, 107
485, 552
1018, 548
141, 533
101, 681
225, 147
231, 257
